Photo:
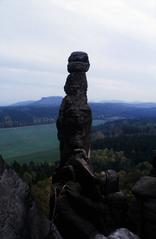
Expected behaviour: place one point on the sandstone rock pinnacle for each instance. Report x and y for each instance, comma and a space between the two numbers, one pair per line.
74, 120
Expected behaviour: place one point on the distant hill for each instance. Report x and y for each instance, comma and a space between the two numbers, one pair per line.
23, 103
56, 101
45, 111
145, 105
44, 101
123, 110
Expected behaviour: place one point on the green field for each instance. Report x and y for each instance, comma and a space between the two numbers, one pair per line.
38, 143
31, 143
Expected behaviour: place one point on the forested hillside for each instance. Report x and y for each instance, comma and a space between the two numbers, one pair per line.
137, 138
27, 115
127, 146
46, 110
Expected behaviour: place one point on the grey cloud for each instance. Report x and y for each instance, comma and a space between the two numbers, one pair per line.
37, 38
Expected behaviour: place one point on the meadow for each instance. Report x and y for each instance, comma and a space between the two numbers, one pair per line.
36, 143
31, 143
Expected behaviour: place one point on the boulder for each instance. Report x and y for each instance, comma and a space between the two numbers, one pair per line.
145, 187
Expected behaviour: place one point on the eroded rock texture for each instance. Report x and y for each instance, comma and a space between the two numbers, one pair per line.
122, 233
74, 121
19, 216
145, 193
87, 206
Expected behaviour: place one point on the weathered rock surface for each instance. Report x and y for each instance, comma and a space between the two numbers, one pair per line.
123, 233
19, 216
145, 187
99, 236
145, 193
78, 62
88, 206
74, 120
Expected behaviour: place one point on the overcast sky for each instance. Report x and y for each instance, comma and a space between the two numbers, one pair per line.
36, 38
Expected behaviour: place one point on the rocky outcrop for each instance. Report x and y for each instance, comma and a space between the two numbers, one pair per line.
21, 219
84, 205
19, 215
145, 188
145, 193
74, 121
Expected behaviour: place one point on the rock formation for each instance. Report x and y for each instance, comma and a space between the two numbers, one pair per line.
145, 193
19, 215
85, 206
74, 121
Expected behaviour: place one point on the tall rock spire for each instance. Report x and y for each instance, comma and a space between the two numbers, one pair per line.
74, 120
84, 205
